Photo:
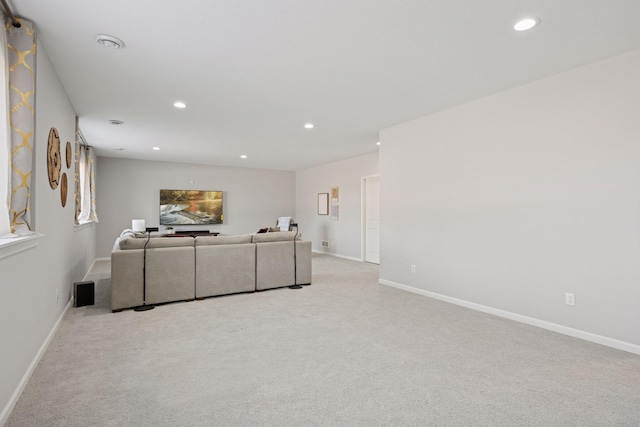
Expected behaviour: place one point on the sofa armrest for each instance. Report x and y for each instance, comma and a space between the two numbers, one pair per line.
126, 278
303, 262
274, 265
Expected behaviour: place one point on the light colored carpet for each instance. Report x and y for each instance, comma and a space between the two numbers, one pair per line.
344, 351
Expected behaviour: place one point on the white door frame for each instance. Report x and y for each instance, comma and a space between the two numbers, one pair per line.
363, 208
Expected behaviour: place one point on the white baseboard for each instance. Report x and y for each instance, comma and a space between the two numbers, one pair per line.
576, 333
94, 263
4, 415
350, 258
86, 275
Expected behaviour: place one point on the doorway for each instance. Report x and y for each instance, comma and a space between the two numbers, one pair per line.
371, 219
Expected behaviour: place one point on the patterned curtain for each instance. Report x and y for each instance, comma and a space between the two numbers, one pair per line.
21, 47
5, 137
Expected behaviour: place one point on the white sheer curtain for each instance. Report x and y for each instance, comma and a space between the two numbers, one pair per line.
87, 186
76, 175
5, 136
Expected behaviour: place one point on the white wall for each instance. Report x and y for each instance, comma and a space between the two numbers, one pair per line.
128, 189
515, 199
28, 280
346, 232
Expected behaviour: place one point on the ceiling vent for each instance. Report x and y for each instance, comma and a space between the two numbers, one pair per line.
109, 41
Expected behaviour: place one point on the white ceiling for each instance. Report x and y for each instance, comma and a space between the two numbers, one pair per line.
253, 72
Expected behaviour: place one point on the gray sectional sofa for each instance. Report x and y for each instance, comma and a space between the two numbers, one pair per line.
185, 268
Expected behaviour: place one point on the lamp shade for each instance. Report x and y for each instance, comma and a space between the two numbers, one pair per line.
138, 225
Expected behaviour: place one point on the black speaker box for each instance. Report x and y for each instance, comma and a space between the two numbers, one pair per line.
83, 293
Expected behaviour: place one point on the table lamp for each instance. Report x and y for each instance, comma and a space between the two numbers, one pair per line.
138, 225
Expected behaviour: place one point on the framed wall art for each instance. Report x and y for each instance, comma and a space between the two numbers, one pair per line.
334, 212
63, 189
323, 203
69, 155
335, 195
54, 162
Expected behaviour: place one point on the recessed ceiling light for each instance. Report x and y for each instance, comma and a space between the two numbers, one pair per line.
526, 24
244, 156
308, 126
109, 41
156, 148
116, 122
179, 104
378, 143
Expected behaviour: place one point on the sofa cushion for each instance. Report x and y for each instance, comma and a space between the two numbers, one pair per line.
274, 237
170, 273
225, 269
223, 240
155, 242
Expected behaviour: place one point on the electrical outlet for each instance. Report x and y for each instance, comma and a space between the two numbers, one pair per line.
413, 268
569, 299
56, 295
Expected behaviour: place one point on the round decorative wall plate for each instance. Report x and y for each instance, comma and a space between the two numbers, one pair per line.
54, 163
63, 189
69, 154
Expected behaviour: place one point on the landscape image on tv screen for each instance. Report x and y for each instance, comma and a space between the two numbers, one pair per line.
190, 207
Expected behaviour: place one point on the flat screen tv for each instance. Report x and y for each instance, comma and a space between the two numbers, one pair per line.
190, 207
